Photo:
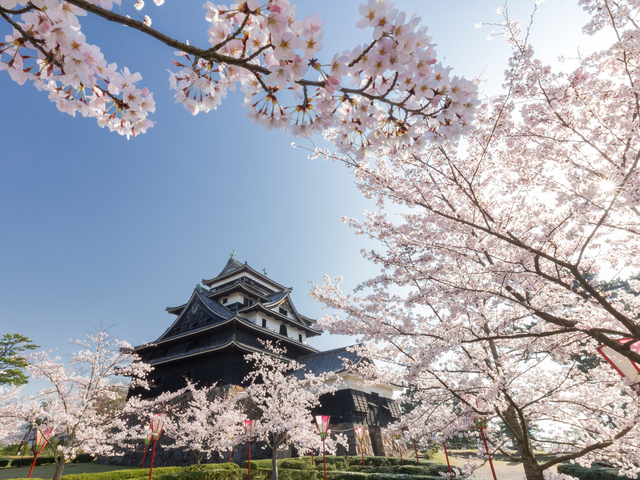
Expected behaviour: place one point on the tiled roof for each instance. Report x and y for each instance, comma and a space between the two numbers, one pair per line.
324, 362
215, 307
277, 296
231, 265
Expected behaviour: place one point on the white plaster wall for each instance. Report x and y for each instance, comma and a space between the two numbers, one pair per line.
353, 382
274, 325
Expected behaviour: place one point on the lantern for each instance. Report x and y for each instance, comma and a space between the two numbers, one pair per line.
359, 432
156, 424
625, 367
323, 427
399, 443
42, 437
249, 427
147, 435
230, 436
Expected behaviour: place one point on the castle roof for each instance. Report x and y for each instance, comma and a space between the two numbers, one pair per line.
234, 267
328, 361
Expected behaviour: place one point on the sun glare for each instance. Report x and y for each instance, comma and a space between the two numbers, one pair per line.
607, 185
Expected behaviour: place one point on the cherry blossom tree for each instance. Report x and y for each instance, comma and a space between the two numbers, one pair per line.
12, 415
494, 276
286, 400
389, 93
212, 420
74, 402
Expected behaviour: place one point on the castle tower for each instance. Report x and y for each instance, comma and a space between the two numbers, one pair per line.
228, 317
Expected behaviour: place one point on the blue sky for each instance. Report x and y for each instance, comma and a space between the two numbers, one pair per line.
97, 228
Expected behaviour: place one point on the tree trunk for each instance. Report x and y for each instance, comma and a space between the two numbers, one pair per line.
274, 462
59, 465
532, 469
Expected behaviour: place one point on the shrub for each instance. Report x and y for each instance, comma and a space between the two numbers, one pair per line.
331, 467
125, 474
264, 464
295, 464
596, 472
213, 474
290, 474
43, 460
84, 458
4, 463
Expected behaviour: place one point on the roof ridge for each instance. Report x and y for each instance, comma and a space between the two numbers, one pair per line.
327, 352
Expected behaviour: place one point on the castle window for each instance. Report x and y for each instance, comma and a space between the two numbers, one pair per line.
224, 300
264, 323
283, 329
283, 311
300, 337
247, 302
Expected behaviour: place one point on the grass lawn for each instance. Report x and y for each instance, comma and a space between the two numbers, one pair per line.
47, 471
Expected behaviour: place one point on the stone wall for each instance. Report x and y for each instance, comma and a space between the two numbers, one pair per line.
167, 456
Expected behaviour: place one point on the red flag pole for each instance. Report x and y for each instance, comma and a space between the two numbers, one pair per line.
229, 455
324, 456
249, 459
144, 455
153, 456
416, 449
362, 452
444, 444
33, 464
487, 449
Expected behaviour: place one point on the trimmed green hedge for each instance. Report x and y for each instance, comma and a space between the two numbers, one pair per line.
124, 474
4, 463
375, 476
214, 474
84, 458
596, 472
296, 464
43, 460
368, 461
428, 468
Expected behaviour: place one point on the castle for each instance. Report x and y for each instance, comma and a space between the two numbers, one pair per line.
226, 319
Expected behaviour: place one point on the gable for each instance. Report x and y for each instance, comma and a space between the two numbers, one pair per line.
195, 315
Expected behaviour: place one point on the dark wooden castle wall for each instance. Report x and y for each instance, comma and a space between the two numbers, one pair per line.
226, 367
353, 406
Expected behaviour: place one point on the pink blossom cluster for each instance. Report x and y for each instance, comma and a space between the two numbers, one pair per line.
211, 421
285, 398
390, 94
48, 49
512, 259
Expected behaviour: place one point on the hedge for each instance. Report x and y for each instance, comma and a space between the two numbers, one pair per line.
596, 472
84, 458
4, 463
124, 474
213, 474
375, 476
368, 461
425, 469
44, 460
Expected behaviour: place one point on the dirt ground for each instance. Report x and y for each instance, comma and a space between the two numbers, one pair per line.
505, 470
